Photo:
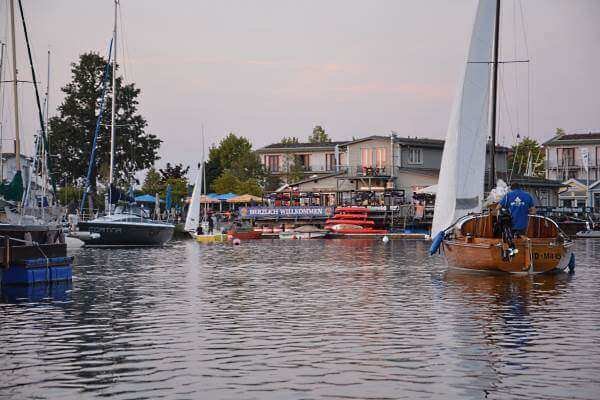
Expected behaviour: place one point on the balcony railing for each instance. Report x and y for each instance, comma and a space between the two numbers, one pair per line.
360, 170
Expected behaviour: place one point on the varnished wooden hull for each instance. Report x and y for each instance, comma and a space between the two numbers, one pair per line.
244, 235
485, 254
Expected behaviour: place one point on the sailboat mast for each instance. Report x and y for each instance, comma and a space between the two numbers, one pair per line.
15, 88
1, 113
44, 163
113, 109
494, 99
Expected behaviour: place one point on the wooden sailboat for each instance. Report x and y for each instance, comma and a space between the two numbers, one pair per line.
467, 236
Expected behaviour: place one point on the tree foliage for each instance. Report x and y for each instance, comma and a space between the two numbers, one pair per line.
234, 158
71, 132
173, 171
527, 150
172, 174
229, 182
153, 182
294, 171
319, 135
289, 140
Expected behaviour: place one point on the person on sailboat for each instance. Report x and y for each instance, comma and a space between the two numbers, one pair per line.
211, 225
519, 204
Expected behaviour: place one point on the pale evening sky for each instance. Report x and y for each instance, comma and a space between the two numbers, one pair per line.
272, 68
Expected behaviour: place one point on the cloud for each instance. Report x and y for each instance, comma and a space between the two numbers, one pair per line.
422, 90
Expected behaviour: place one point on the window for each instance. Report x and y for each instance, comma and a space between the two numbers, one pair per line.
380, 157
330, 162
272, 163
365, 157
566, 156
415, 156
304, 161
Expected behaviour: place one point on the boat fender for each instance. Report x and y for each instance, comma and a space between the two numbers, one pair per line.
571, 264
437, 241
237, 242
385, 239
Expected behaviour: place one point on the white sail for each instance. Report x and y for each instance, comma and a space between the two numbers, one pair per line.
460, 185
193, 215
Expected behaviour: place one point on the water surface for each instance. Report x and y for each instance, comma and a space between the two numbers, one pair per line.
300, 320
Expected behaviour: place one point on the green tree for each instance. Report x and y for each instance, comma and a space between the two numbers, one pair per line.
226, 182
319, 135
289, 140
179, 190
173, 171
527, 150
152, 182
229, 182
233, 155
294, 171
71, 132
271, 183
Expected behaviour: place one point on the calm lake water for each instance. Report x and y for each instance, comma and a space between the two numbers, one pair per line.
301, 320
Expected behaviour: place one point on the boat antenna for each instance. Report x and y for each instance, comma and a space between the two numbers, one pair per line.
112, 112
492, 177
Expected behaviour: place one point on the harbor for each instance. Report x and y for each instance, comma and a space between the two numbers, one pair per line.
254, 210
301, 319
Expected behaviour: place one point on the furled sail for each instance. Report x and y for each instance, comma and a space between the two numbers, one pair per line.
460, 185
193, 215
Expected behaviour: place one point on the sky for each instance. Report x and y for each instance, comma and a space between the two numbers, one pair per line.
266, 69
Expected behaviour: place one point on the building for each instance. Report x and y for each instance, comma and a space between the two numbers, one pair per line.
311, 158
382, 166
565, 157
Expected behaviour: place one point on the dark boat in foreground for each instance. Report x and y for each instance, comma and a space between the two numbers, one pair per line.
124, 228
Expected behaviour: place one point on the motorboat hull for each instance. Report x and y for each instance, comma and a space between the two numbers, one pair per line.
115, 234
302, 235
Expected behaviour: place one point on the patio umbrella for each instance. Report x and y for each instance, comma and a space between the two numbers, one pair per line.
245, 198
208, 200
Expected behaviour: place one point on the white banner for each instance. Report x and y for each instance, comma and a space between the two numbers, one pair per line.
585, 157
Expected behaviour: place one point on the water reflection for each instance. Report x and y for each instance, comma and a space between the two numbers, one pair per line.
302, 319
55, 292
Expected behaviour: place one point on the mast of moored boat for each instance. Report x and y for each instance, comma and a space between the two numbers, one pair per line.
15, 88
494, 96
112, 113
1, 124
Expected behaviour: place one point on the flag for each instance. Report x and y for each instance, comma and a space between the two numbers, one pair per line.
585, 157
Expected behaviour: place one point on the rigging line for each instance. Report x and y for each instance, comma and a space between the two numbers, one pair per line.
529, 82
33, 78
122, 44
516, 70
505, 101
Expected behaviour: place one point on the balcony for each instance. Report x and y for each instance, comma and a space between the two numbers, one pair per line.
367, 172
